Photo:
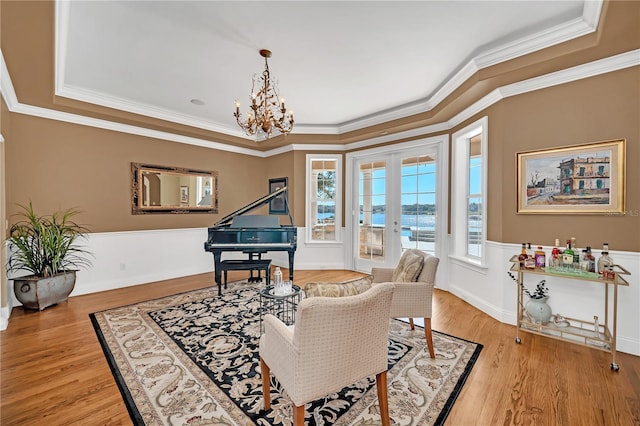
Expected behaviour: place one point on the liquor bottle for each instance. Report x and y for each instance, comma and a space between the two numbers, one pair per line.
530, 261
576, 254
541, 260
584, 260
523, 255
576, 257
591, 266
567, 256
554, 260
605, 261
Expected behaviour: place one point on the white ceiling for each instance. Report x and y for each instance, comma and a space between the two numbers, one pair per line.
341, 65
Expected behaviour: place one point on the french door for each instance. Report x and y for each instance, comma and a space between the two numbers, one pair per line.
395, 204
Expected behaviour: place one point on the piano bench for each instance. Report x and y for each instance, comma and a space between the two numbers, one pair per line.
246, 265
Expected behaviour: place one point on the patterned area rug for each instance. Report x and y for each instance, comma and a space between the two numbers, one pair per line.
192, 359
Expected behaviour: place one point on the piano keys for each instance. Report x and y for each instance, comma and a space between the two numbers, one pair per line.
251, 234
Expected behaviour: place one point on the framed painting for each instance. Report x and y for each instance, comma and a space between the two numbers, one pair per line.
278, 204
577, 179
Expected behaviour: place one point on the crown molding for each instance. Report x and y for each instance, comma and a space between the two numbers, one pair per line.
523, 46
315, 129
92, 97
541, 40
64, 90
8, 92
591, 69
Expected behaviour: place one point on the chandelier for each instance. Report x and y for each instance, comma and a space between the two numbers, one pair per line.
267, 112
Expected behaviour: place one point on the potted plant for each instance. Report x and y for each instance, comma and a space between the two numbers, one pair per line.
541, 291
45, 246
537, 306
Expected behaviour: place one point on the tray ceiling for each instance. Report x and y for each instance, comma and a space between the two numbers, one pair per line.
340, 65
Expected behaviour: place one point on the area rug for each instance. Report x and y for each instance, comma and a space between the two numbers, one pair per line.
192, 359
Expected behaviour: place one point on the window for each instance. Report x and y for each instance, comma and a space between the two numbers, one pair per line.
324, 196
469, 192
474, 199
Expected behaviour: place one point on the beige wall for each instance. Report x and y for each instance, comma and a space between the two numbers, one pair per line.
58, 165
597, 109
280, 166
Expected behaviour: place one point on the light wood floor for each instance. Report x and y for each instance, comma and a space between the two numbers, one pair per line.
53, 371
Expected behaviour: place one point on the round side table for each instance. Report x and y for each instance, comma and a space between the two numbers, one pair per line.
282, 306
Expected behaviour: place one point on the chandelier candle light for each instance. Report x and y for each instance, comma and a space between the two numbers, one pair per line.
266, 112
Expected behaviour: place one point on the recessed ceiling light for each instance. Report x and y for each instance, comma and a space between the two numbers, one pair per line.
198, 102
384, 132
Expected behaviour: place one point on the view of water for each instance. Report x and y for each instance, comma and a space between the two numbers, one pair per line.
407, 221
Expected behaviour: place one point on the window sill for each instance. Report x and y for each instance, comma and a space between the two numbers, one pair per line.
466, 262
324, 243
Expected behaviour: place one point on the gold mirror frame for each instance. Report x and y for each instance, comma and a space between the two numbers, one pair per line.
162, 189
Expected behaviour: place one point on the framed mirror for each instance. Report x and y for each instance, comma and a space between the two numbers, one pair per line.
162, 189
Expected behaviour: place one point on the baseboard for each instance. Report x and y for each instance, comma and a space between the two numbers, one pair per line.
493, 311
628, 346
318, 266
138, 279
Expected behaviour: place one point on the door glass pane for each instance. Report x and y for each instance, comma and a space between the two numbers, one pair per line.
418, 198
372, 201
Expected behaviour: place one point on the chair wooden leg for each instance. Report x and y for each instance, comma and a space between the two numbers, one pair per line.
266, 387
429, 336
298, 415
413, 327
383, 400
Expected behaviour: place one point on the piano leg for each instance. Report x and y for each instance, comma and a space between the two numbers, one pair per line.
217, 271
291, 253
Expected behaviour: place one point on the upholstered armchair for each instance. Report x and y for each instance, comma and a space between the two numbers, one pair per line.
414, 279
335, 342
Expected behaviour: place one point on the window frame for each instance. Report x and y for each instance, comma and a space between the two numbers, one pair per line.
460, 191
308, 198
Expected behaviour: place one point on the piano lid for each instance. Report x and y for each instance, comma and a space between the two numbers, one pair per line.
254, 205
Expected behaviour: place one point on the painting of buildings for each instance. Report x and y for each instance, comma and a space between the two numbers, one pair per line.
574, 180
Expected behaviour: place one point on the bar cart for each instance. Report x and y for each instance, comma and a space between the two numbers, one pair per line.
585, 333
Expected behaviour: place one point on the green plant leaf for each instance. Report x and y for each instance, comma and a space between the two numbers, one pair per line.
46, 245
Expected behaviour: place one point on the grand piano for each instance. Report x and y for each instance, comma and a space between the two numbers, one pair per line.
252, 234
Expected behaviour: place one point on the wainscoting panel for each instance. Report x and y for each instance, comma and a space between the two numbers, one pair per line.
130, 258
123, 259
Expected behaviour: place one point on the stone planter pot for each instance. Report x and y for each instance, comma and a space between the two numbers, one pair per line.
38, 293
